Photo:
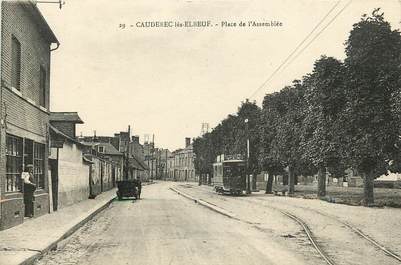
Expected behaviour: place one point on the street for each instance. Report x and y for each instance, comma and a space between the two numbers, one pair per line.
259, 132
165, 228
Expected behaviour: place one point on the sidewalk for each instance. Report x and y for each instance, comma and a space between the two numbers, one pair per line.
24, 243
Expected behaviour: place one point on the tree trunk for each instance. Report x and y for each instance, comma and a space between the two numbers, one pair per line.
269, 184
321, 182
291, 178
285, 179
368, 195
254, 179
200, 179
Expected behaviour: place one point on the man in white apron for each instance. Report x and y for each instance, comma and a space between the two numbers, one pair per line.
29, 188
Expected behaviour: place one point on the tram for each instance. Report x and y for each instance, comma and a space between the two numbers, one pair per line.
229, 174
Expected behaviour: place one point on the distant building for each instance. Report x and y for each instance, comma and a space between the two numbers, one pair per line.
138, 167
180, 163
122, 150
26, 41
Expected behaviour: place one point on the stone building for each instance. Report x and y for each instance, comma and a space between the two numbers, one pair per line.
69, 170
125, 152
180, 163
137, 159
26, 45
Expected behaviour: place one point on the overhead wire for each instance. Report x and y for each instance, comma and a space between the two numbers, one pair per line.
302, 42
318, 34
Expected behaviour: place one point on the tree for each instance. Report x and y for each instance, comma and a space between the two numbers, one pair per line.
267, 129
285, 146
251, 112
322, 133
204, 156
229, 137
373, 70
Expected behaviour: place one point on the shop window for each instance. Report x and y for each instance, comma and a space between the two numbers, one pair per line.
39, 165
14, 154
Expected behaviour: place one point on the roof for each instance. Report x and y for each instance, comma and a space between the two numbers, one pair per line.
109, 149
40, 20
65, 116
187, 149
60, 133
133, 163
137, 163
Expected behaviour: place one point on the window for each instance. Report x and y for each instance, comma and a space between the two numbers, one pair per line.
39, 164
15, 63
13, 163
101, 149
42, 87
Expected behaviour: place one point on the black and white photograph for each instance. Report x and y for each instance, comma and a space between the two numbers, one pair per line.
194, 132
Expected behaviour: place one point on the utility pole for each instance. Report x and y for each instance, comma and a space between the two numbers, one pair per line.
157, 162
165, 176
153, 154
248, 180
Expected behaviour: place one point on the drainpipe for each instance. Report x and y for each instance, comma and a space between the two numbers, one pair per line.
1, 100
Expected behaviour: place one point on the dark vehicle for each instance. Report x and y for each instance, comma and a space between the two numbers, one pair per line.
126, 188
229, 176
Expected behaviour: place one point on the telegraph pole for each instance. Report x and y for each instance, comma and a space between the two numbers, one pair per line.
165, 176
153, 154
248, 180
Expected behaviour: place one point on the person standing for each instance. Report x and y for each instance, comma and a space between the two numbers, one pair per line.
29, 188
139, 186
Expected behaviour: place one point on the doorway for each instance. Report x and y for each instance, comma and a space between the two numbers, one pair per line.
53, 164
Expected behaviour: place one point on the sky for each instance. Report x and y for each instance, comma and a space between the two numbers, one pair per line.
168, 81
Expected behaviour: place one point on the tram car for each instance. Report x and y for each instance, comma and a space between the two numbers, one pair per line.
229, 175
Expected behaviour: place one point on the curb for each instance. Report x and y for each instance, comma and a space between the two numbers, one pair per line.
69, 232
205, 204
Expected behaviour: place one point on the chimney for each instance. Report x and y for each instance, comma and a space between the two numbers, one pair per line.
187, 141
135, 139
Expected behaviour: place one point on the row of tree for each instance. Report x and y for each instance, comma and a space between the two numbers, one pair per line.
342, 115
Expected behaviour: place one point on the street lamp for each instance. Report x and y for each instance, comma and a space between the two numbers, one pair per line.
248, 180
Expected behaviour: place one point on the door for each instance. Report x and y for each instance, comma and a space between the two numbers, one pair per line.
53, 163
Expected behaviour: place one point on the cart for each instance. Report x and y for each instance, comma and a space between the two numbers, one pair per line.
126, 188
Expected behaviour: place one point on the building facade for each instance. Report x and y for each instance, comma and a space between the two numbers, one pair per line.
69, 171
180, 163
126, 153
26, 41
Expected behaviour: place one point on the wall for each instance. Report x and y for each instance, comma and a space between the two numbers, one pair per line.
35, 50
101, 176
181, 165
73, 176
96, 180
20, 109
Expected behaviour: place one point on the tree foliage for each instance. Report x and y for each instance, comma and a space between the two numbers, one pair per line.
341, 115
229, 137
373, 76
322, 140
